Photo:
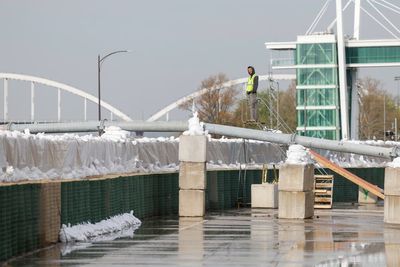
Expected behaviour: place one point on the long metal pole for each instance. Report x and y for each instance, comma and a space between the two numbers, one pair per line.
162, 126
397, 79
344, 118
357, 9
277, 108
32, 101
98, 88
384, 117
5, 99
355, 106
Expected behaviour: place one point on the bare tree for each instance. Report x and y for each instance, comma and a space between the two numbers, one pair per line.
376, 110
216, 104
287, 100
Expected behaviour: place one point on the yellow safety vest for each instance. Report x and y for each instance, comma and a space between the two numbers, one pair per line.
250, 83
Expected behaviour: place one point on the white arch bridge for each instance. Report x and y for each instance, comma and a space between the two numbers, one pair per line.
59, 87
6, 77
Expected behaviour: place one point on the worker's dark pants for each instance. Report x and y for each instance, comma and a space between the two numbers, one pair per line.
252, 102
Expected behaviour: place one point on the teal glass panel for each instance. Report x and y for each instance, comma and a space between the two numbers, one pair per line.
316, 118
317, 76
317, 97
360, 55
316, 54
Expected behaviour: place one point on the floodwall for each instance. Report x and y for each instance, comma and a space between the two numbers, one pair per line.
31, 213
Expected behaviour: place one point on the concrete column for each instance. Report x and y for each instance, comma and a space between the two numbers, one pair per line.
192, 175
296, 196
50, 213
392, 195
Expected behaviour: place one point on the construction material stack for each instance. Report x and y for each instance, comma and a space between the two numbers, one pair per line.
296, 196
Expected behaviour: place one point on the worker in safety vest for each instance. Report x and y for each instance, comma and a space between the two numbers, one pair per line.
251, 91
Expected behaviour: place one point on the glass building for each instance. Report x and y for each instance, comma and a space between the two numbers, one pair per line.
315, 61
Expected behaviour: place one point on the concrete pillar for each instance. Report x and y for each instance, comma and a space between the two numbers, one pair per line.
296, 196
365, 197
192, 175
50, 213
392, 195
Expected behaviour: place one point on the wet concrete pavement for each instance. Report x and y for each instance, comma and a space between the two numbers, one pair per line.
344, 236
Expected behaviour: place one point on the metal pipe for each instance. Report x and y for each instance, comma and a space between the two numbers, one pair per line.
180, 126
309, 142
93, 126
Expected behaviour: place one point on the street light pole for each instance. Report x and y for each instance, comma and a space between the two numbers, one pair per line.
100, 60
98, 87
397, 79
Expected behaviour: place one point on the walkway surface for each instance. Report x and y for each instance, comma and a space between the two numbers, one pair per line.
345, 236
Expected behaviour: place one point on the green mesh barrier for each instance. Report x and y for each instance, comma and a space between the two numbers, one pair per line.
95, 200
147, 195
19, 220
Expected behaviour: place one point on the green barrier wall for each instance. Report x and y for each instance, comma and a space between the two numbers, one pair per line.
346, 191
19, 219
95, 200
147, 195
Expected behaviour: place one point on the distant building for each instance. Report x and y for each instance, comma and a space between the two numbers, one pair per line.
327, 98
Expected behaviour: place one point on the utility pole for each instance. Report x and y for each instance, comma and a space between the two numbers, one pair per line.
397, 79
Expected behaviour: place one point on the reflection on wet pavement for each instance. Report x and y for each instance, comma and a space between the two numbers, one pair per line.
339, 237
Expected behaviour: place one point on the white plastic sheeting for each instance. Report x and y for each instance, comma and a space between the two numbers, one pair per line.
25, 156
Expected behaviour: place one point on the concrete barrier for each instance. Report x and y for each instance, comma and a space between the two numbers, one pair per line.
264, 196
365, 197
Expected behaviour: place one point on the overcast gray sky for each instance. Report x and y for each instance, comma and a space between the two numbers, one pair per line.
175, 44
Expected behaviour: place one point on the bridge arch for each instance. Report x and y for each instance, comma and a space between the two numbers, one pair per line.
61, 87
200, 92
